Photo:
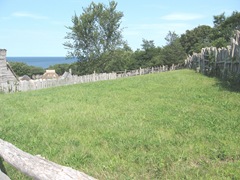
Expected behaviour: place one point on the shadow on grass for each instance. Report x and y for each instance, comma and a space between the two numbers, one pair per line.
227, 80
228, 86
2, 168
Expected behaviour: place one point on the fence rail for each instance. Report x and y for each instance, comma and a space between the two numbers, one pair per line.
12, 86
37, 166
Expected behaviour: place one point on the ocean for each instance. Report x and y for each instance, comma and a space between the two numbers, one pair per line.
43, 62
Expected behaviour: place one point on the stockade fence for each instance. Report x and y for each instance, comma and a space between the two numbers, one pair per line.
69, 79
218, 61
36, 166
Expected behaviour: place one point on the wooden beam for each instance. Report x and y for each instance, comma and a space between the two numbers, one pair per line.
36, 166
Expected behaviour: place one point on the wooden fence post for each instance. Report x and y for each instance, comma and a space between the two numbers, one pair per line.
94, 76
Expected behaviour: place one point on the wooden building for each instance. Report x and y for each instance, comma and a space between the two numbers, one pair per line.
6, 72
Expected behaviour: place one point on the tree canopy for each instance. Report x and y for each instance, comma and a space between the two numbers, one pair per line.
173, 52
21, 69
95, 38
194, 40
218, 36
95, 32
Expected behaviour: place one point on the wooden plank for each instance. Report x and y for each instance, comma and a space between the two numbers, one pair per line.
3, 176
36, 166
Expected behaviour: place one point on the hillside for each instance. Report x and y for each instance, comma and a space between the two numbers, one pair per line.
172, 125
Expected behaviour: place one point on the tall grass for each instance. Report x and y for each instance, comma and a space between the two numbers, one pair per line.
173, 125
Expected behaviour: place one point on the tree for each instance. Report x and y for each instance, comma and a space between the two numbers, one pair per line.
194, 40
21, 69
173, 52
219, 19
171, 37
232, 21
60, 68
119, 60
224, 28
148, 56
95, 32
205, 36
147, 44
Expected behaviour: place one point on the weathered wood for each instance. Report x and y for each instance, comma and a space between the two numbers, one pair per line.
38, 167
6, 72
3, 176
74, 79
226, 59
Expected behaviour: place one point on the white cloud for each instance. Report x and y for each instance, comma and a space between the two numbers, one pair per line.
28, 15
182, 16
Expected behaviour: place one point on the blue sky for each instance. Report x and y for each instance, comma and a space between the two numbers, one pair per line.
37, 27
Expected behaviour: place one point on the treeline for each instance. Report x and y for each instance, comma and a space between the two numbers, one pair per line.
121, 59
21, 69
92, 41
95, 39
206, 36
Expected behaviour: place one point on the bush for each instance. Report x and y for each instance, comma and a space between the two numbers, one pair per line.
21, 69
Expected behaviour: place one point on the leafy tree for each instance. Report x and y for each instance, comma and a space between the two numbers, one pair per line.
194, 40
79, 68
224, 28
218, 36
95, 32
21, 69
119, 60
219, 42
148, 56
173, 52
148, 45
218, 20
232, 21
60, 68
171, 37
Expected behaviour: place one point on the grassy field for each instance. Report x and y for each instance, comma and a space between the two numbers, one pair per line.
173, 125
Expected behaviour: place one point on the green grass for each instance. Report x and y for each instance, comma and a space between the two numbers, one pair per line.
173, 125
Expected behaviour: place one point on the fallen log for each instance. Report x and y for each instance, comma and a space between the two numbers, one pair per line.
38, 167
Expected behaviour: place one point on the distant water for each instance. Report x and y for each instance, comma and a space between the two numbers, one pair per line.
43, 62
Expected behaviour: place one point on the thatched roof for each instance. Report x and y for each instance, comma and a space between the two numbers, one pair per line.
50, 74
25, 78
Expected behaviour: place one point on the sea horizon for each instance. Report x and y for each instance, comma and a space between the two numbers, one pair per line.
41, 61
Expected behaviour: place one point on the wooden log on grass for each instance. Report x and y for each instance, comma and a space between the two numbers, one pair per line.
37, 166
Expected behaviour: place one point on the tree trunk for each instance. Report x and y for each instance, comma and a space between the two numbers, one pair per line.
38, 167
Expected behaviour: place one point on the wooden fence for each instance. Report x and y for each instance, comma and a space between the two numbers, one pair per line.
217, 60
16, 86
37, 166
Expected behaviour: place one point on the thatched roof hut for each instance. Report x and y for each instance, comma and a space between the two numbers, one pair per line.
50, 74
